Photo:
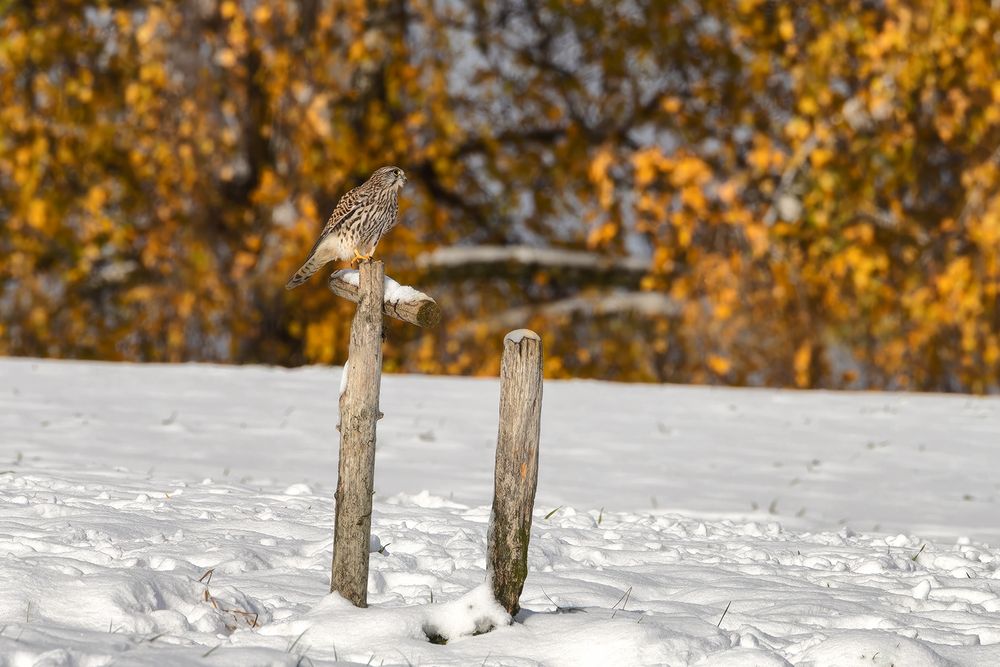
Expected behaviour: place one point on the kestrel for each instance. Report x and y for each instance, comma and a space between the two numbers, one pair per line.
360, 220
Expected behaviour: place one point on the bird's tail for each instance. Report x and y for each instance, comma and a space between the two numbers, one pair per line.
312, 265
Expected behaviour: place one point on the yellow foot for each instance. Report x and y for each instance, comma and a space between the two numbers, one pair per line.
358, 257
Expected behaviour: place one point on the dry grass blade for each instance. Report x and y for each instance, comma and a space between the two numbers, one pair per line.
623, 600
252, 622
249, 617
560, 609
297, 640
719, 624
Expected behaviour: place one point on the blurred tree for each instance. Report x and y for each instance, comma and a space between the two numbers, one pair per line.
751, 192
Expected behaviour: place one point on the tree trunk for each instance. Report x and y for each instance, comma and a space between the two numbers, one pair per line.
359, 413
516, 466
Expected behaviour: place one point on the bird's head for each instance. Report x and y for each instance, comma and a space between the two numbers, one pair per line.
389, 177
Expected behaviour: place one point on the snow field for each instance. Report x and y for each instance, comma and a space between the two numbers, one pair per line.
814, 461
112, 565
156, 515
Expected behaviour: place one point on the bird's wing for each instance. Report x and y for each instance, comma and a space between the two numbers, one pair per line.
350, 202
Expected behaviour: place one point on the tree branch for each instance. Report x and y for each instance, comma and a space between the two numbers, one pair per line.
529, 255
401, 302
648, 304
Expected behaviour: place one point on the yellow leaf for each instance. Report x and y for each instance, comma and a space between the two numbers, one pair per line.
797, 128
808, 106
803, 358
96, 198
719, 365
602, 234
262, 14
599, 176
226, 57
820, 157
694, 198
727, 192
356, 52
645, 164
671, 104
690, 170
37, 213
786, 29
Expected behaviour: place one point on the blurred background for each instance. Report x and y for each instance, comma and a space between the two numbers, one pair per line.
732, 192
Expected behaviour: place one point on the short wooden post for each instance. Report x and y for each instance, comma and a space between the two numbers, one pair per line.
358, 415
516, 476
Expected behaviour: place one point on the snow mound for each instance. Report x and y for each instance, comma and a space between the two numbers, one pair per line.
474, 613
744, 658
865, 649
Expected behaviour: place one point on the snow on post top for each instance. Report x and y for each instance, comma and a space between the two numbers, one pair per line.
349, 276
518, 335
394, 292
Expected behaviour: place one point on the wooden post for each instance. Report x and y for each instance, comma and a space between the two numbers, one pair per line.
516, 466
358, 415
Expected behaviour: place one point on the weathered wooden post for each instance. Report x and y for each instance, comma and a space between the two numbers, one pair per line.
358, 416
359, 413
516, 476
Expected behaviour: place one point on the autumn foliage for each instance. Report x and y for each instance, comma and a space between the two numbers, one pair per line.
813, 188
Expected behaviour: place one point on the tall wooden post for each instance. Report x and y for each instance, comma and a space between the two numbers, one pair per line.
516, 466
358, 415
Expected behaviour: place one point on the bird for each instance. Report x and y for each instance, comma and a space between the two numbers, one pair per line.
358, 222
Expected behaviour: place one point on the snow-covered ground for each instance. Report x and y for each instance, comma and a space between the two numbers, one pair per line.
175, 515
